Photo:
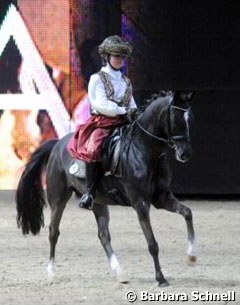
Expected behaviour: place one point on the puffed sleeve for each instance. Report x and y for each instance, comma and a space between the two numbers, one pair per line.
99, 101
132, 103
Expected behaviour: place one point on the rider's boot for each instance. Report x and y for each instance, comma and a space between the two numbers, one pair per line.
87, 199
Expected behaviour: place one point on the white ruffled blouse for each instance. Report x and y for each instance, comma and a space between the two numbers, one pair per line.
97, 95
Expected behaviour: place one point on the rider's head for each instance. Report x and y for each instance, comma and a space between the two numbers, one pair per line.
114, 50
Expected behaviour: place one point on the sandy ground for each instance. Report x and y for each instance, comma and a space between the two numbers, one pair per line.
83, 275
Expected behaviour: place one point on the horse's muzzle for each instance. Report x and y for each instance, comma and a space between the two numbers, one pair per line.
183, 153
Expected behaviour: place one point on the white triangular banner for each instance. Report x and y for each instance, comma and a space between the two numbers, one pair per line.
34, 69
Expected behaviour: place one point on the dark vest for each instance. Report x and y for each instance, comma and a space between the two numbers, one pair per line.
108, 86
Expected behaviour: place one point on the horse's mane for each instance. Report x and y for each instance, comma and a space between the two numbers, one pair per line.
154, 96
156, 102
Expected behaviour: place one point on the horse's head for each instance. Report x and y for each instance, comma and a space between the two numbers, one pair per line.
179, 119
167, 119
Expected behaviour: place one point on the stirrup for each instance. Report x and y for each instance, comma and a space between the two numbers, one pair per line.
86, 202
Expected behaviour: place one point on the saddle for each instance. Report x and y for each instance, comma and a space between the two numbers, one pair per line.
110, 155
111, 150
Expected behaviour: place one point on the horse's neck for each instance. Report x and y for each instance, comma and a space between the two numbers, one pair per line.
153, 122
145, 146
154, 119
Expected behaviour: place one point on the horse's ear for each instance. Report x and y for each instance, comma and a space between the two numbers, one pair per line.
186, 96
190, 95
183, 96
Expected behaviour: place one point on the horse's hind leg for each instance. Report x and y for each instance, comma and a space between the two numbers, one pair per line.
57, 200
101, 213
173, 205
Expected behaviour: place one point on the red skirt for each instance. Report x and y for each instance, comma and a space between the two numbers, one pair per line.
86, 143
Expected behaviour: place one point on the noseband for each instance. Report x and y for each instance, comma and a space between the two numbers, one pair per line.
171, 138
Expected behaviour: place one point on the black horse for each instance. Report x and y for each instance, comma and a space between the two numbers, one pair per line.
141, 179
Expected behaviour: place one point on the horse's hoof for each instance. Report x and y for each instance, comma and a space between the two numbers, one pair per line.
191, 260
122, 279
163, 284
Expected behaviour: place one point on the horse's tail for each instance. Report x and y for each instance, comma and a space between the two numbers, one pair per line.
30, 198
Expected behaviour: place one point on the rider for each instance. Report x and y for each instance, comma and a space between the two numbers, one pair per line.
111, 100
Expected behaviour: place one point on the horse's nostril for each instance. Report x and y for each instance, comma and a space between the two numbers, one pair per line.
185, 156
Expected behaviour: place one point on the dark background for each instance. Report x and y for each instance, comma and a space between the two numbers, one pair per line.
188, 45
195, 45
215, 167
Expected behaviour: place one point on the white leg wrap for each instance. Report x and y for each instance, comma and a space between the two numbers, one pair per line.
50, 268
192, 248
116, 268
114, 264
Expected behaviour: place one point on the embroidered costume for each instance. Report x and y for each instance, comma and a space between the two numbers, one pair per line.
110, 94
110, 97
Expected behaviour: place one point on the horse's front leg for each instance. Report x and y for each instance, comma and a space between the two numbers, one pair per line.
142, 209
101, 213
170, 203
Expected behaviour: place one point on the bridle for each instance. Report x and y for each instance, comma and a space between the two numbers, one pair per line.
171, 137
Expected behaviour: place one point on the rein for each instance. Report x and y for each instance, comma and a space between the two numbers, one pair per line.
171, 139
152, 135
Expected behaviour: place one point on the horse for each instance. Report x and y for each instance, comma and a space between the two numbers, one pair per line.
141, 179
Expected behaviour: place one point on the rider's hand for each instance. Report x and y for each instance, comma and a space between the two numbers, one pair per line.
132, 111
131, 114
